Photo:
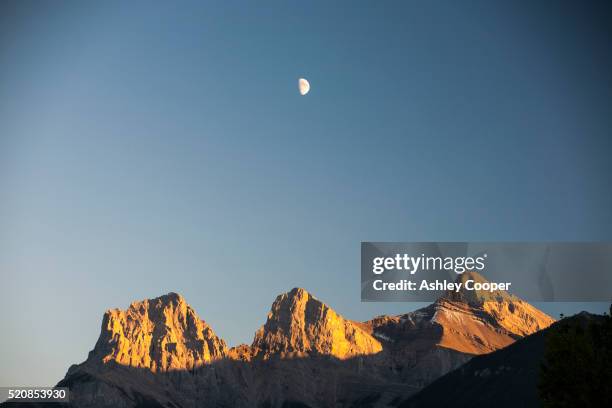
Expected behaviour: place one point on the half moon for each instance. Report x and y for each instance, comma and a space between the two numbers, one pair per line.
303, 86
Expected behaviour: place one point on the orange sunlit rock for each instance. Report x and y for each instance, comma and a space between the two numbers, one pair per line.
160, 334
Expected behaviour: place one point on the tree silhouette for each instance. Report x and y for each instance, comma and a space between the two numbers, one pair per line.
577, 366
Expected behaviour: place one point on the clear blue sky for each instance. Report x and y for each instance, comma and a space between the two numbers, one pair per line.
149, 147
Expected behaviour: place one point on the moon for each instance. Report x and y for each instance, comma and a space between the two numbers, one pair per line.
303, 86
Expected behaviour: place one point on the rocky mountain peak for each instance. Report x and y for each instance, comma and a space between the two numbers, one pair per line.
468, 321
159, 334
476, 297
479, 322
299, 324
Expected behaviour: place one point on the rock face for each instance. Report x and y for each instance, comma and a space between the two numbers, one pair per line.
516, 317
300, 325
160, 334
429, 342
468, 321
158, 353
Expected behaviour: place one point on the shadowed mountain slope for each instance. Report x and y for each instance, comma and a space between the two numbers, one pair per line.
504, 378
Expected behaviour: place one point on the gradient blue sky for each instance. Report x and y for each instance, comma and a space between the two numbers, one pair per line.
150, 147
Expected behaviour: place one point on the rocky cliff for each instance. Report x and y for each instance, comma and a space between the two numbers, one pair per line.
467, 321
159, 353
159, 334
300, 325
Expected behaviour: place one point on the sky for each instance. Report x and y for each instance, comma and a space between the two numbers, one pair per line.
155, 147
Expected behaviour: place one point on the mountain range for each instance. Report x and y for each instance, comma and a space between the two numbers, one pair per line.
160, 353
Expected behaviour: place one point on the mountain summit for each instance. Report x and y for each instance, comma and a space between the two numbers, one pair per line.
159, 334
502, 317
299, 325
468, 321
476, 297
